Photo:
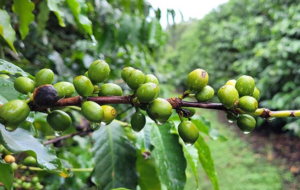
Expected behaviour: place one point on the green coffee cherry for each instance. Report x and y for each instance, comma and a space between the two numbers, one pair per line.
256, 93
14, 166
98, 71
35, 179
64, 89
135, 79
92, 111
126, 72
13, 113
228, 95
205, 94
245, 85
147, 92
189, 112
44, 76
86, 74
197, 79
24, 85
188, 132
59, 120
9, 159
246, 123
231, 82
109, 114
138, 121
45, 96
151, 78
159, 110
29, 161
110, 89
83, 86
248, 104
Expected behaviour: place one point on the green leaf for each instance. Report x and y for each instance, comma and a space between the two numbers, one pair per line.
82, 19
114, 157
148, 176
6, 31
191, 155
7, 91
6, 175
169, 156
9, 68
55, 6
207, 161
43, 16
24, 8
22, 141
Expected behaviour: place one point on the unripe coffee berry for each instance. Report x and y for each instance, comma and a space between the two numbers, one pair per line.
188, 132
126, 72
83, 85
138, 121
231, 82
24, 85
110, 89
64, 89
59, 120
151, 78
159, 110
246, 123
44, 76
245, 85
135, 79
256, 93
109, 114
9, 159
197, 79
98, 71
92, 111
188, 112
29, 161
13, 113
147, 92
228, 95
248, 104
205, 94
45, 96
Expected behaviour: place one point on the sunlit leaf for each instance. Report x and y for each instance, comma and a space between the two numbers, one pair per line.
7, 33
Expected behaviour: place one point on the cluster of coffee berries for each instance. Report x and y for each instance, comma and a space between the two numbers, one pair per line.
31, 182
243, 95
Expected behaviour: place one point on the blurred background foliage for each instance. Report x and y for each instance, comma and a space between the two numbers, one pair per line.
260, 38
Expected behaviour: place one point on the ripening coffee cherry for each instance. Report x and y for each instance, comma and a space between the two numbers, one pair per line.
197, 79
245, 85
110, 89
188, 132
98, 71
64, 89
151, 78
9, 159
13, 113
138, 121
135, 79
188, 112
228, 95
83, 86
92, 111
109, 114
59, 120
24, 85
256, 93
246, 123
205, 94
29, 161
45, 96
248, 104
159, 110
44, 76
126, 72
147, 92
231, 82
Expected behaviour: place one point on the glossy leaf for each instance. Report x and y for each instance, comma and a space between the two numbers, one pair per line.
7, 33
55, 6
7, 91
24, 8
9, 68
6, 175
43, 16
169, 156
114, 157
22, 141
